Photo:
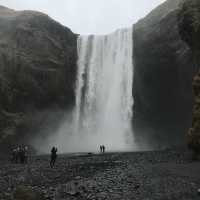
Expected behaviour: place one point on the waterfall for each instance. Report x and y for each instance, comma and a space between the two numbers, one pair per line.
104, 98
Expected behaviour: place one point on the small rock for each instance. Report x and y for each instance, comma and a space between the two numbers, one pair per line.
7, 194
198, 191
137, 186
118, 161
26, 193
77, 177
52, 189
102, 195
71, 189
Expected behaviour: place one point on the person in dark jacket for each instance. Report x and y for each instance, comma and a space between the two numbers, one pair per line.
100, 148
53, 156
103, 149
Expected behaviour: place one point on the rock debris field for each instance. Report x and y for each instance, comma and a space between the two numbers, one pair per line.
155, 175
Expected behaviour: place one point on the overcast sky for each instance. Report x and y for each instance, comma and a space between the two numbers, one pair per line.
89, 16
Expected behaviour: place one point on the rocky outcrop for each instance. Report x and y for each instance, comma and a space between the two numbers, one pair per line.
37, 70
36, 52
163, 76
189, 26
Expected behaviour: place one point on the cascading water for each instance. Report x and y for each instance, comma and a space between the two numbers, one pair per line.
104, 99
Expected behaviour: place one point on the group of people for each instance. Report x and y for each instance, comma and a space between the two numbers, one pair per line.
102, 148
54, 151
20, 155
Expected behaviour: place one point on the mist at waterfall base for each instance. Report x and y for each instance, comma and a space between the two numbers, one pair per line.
104, 100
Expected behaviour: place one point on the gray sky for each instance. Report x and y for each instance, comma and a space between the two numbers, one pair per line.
89, 16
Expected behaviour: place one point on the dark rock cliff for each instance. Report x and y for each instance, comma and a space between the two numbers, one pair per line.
189, 26
37, 71
163, 76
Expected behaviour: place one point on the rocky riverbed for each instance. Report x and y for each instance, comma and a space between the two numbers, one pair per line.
163, 175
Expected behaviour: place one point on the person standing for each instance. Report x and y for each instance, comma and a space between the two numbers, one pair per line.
26, 154
14, 156
22, 155
100, 148
53, 156
103, 149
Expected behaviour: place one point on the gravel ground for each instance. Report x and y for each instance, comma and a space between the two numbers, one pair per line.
158, 175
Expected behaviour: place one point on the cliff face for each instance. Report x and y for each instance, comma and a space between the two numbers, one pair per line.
37, 70
162, 85
189, 26
36, 52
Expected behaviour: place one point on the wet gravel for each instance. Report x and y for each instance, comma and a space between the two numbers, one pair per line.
156, 175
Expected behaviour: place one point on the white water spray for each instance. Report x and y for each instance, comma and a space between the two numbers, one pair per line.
104, 91
104, 100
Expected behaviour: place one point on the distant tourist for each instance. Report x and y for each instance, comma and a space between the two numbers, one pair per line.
53, 156
23, 154
26, 154
17, 154
103, 149
20, 155
14, 155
